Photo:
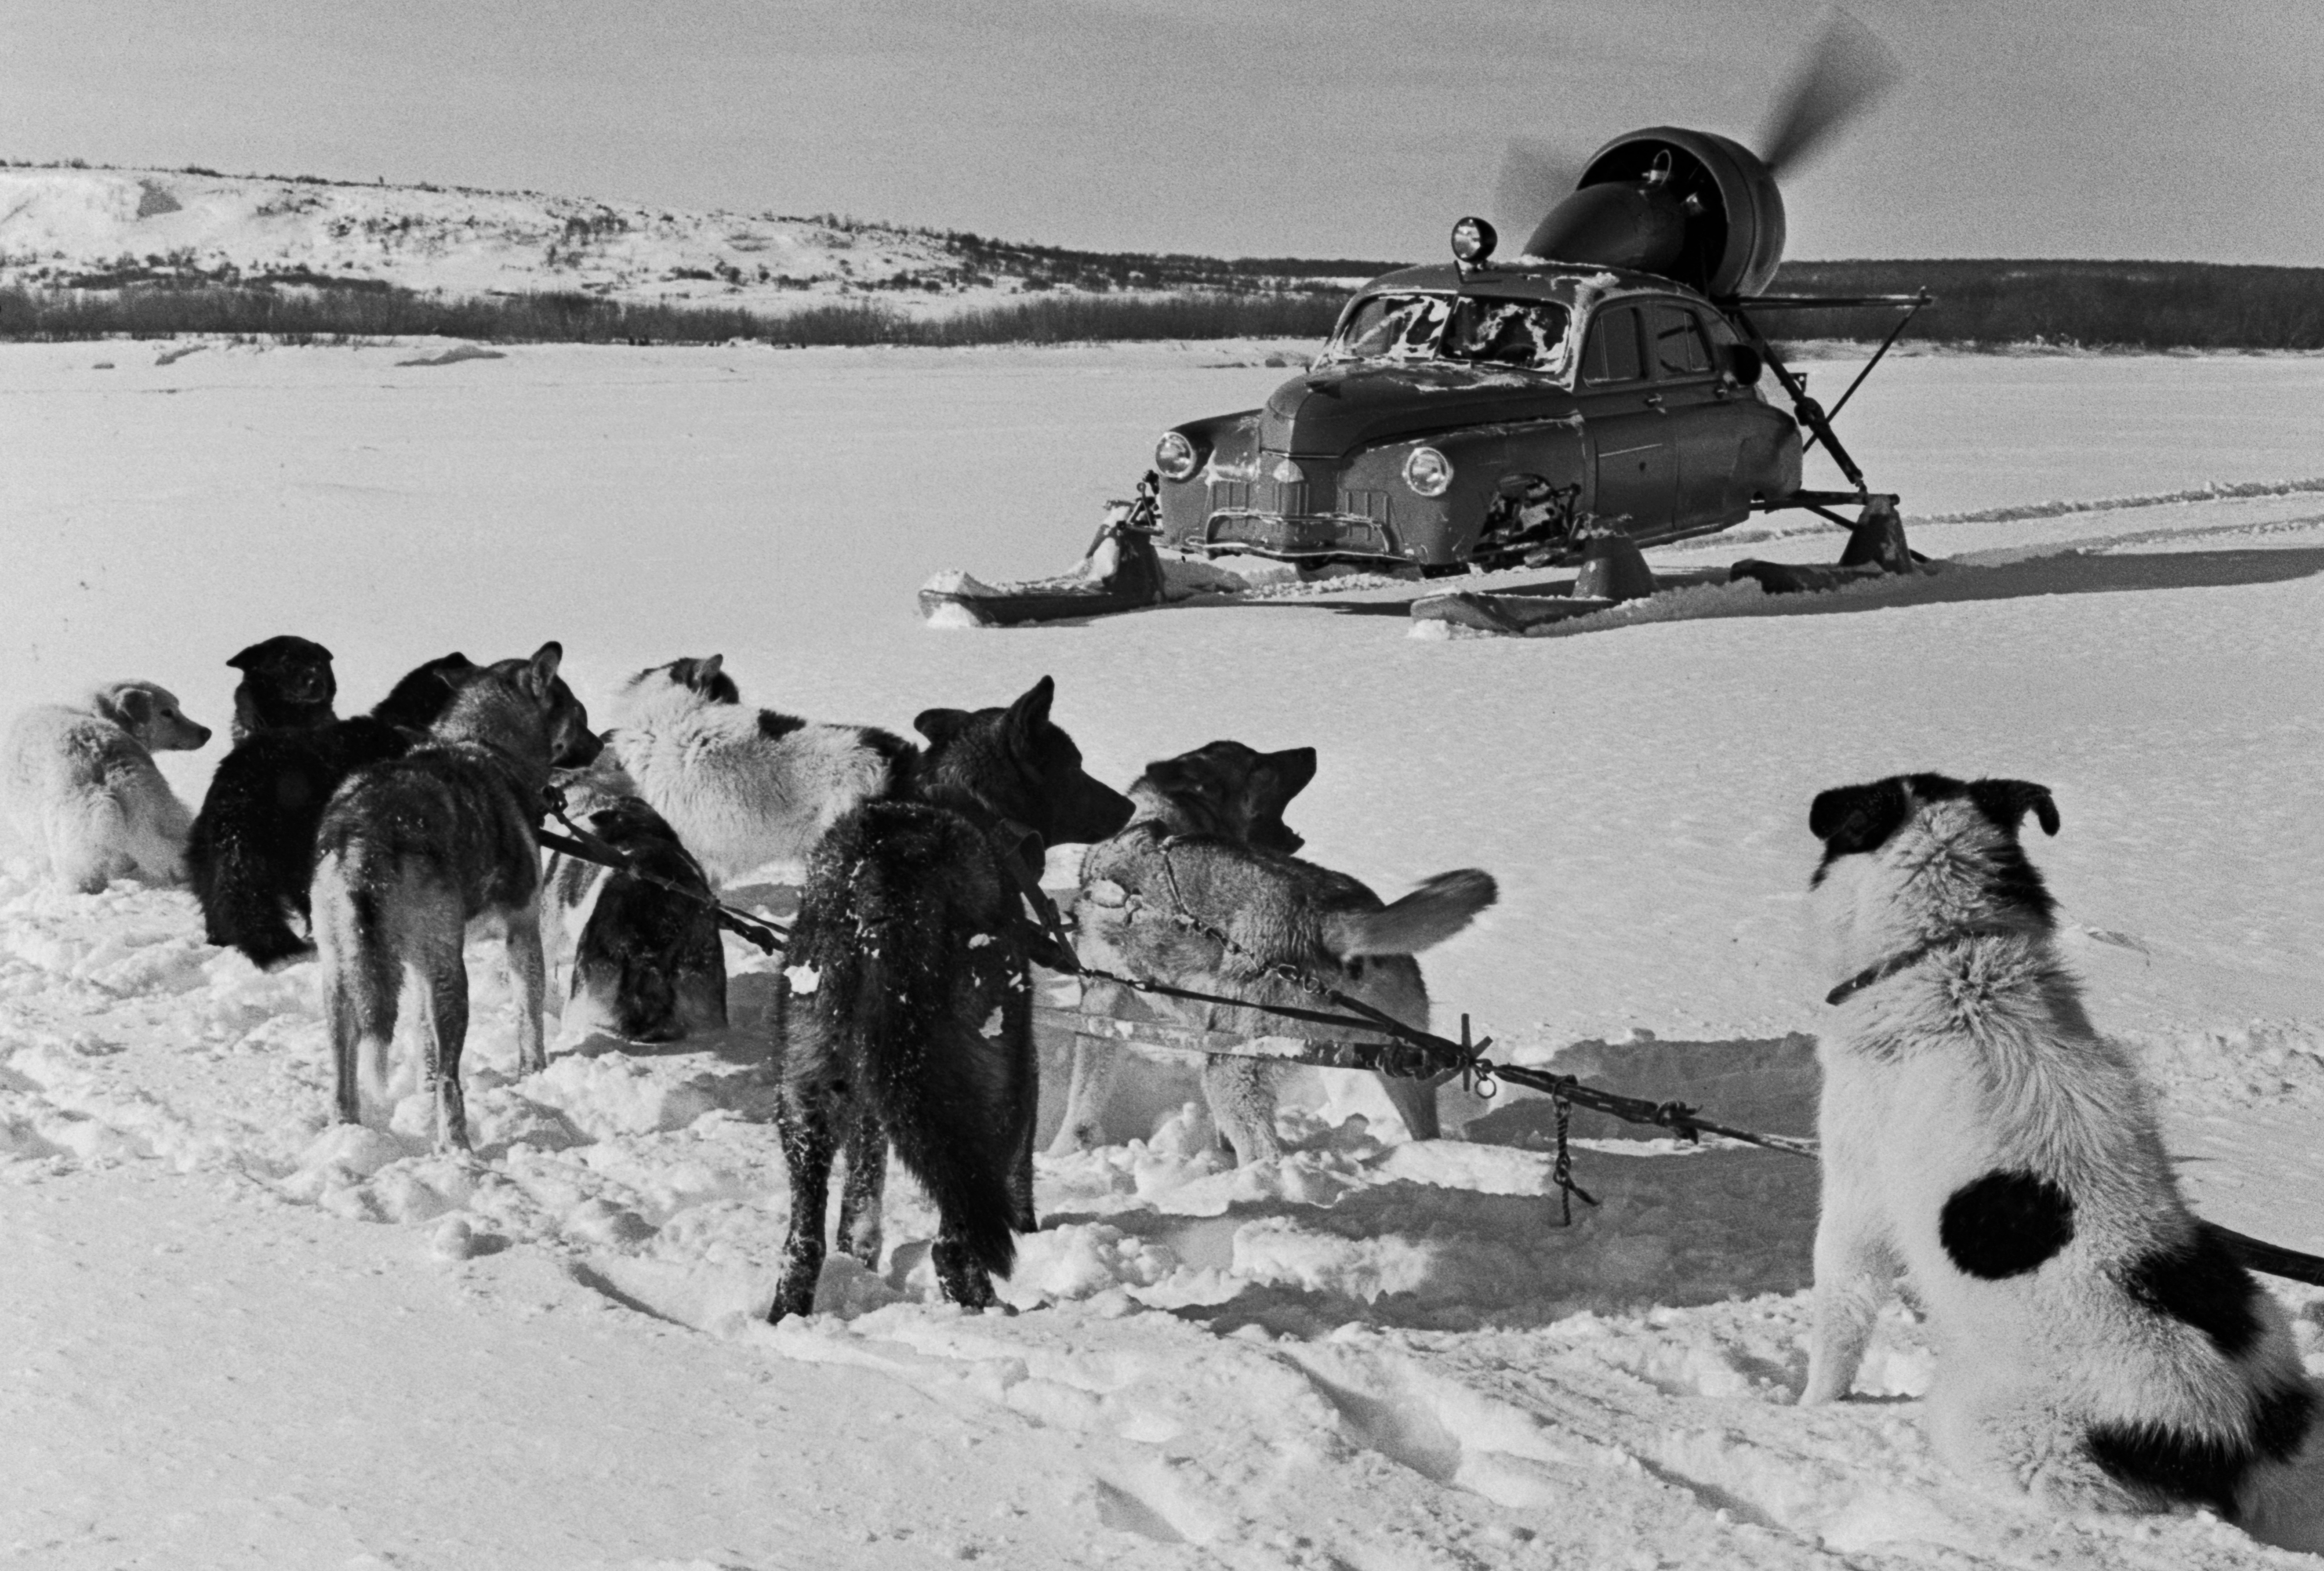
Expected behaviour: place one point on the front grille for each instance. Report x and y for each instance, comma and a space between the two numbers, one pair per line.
1311, 515
1258, 497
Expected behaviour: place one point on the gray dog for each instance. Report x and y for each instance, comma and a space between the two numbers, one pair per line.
1222, 789
1206, 912
413, 850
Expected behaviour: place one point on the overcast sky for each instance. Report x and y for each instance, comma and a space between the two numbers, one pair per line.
2116, 128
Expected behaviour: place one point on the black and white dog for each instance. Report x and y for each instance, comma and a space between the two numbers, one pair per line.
744, 787
906, 1014
2097, 1344
646, 960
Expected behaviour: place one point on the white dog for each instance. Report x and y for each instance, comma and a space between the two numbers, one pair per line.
83, 792
744, 787
2098, 1346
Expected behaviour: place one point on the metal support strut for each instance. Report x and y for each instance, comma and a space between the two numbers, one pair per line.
1809, 412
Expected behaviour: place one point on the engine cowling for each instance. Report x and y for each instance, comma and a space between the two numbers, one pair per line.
1694, 206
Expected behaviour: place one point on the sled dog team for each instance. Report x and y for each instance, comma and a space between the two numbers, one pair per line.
2098, 1344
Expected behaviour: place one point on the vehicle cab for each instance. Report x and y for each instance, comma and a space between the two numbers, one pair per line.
1463, 414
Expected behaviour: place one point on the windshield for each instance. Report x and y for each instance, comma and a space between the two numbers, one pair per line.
1526, 334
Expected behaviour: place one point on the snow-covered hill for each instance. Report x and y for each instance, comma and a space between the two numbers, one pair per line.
96, 227
68, 226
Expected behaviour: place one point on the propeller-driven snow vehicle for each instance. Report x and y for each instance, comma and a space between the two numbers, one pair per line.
1604, 388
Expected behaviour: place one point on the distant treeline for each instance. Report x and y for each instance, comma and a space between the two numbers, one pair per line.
342, 312
2128, 305
2133, 305
1057, 266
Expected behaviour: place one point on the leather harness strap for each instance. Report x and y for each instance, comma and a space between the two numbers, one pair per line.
1882, 970
585, 846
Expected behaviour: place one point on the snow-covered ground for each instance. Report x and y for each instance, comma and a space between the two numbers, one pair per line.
240, 1337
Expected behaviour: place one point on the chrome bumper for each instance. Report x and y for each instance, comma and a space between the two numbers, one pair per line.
1312, 534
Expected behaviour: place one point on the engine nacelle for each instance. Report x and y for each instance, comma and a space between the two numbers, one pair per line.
1692, 205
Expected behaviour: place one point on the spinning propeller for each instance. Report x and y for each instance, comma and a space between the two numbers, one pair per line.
1694, 205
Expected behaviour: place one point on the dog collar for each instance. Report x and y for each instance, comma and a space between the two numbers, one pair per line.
1882, 970
1023, 842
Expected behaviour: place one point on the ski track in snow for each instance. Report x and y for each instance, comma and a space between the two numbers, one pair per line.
1372, 1353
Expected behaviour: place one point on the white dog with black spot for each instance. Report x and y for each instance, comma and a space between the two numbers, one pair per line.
2098, 1346
82, 791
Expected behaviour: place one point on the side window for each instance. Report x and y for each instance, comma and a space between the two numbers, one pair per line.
1679, 352
1613, 352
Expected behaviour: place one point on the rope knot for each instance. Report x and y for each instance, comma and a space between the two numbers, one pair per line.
1561, 1173
1679, 1116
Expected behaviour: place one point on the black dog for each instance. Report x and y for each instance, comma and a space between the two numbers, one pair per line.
648, 963
287, 685
911, 941
251, 851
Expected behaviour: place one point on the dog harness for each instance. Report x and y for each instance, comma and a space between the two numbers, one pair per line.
1882, 970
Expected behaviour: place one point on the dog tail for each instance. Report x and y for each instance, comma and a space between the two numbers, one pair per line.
235, 879
1429, 915
890, 949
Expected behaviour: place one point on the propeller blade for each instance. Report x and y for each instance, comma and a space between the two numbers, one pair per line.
1536, 175
1845, 70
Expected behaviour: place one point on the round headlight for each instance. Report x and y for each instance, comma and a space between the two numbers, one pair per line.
1428, 472
1175, 455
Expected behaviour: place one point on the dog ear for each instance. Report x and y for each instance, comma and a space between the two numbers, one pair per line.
1030, 712
131, 708
941, 726
249, 658
1859, 817
324, 655
2005, 801
706, 679
1165, 775
545, 662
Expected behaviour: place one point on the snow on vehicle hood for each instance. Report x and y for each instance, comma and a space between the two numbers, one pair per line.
1335, 409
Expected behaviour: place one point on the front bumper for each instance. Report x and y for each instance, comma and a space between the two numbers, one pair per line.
1295, 536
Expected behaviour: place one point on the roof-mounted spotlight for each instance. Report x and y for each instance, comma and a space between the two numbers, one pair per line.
1473, 240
